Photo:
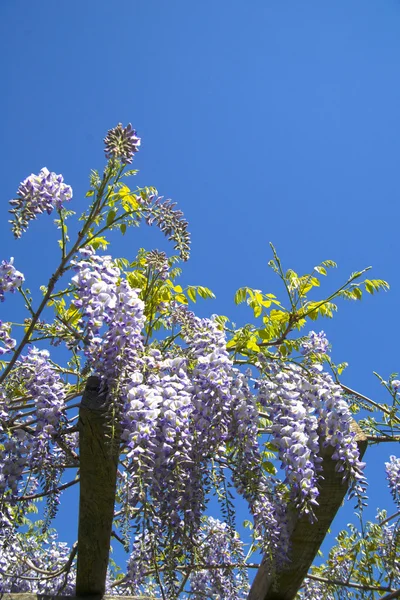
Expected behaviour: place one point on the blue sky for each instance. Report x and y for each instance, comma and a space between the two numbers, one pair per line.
264, 120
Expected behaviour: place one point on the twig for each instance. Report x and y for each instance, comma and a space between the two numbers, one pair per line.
390, 518
375, 404
391, 596
352, 584
62, 487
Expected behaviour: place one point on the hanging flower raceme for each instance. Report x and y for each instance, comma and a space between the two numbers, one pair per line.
218, 545
393, 475
96, 294
9, 342
22, 557
316, 343
47, 389
307, 408
225, 421
30, 444
38, 194
10, 278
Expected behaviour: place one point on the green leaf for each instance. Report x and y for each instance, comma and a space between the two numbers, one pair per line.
122, 228
269, 467
369, 286
99, 242
181, 298
240, 296
191, 292
111, 217
89, 193
257, 310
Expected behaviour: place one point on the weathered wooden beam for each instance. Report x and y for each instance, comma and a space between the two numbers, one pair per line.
98, 457
306, 538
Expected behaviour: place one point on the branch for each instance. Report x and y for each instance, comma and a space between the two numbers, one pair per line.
204, 567
48, 574
352, 584
378, 438
375, 404
390, 518
391, 596
54, 491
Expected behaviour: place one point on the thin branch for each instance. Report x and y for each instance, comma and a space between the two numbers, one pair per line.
395, 594
115, 535
62, 487
375, 404
352, 584
378, 438
47, 574
205, 567
390, 518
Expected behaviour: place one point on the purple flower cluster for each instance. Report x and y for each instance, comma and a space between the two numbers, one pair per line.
121, 143
16, 449
10, 278
171, 222
217, 545
106, 300
47, 389
9, 342
30, 445
38, 194
393, 475
316, 343
21, 556
306, 409
219, 559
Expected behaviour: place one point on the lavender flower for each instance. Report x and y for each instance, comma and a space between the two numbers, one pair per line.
218, 544
9, 342
121, 143
49, 555
45, 385
10, 278
158, 262
393, 475
316, 343
38, 194
171, 223
300, 407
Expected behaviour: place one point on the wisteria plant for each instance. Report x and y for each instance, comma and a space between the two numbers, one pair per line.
197, 408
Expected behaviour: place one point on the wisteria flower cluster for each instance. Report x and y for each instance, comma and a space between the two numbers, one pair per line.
10, 278
29, 446
219, 545
317, 343
46, 387
9, 343
171, 223
393, 475
38, 194
121, 143
307, 410
218, 564
27, 565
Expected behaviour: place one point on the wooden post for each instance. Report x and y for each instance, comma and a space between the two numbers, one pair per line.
306, 538
99, 455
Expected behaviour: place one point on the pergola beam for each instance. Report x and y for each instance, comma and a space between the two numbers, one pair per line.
306, 538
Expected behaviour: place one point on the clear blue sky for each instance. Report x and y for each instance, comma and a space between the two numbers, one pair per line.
267, 120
